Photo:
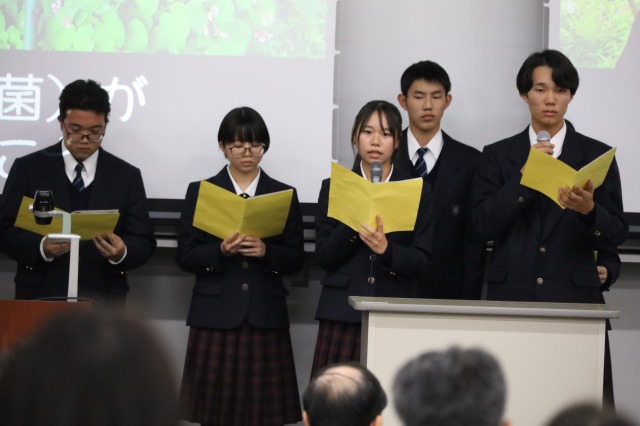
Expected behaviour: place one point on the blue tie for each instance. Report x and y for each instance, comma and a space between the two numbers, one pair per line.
78, 183
421, 165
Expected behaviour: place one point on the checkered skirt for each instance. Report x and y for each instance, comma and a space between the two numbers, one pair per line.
240, 377
337, 342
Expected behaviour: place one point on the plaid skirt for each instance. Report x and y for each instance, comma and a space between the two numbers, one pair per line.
337, 342
240, 377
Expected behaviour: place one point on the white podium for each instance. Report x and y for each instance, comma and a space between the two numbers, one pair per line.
552, 353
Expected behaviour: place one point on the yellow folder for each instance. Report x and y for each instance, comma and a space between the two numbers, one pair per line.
546, 174
86, 223
221, 213
354, 201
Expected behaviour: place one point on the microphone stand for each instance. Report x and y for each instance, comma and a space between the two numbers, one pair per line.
66, 235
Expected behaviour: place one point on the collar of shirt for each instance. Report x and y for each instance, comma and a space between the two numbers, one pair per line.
89, 170
251, 189
557, 140
365, 176
434, 145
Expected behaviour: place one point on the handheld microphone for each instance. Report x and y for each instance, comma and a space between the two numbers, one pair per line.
376, 172
543, 136
42, 203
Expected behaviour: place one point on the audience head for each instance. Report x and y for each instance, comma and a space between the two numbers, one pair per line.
243, 124
343, 395
90, 369
587, 414
563, 73
84, 95
451, 387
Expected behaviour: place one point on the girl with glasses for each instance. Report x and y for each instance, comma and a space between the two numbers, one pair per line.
239, 367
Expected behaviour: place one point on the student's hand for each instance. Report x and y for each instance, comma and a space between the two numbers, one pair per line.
602, 274
576, 198
252, 247
55, 248
230, 246
544, 146
375, 239
110, 246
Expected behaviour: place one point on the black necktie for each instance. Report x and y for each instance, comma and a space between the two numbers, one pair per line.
78, 183
244, 195
421, 165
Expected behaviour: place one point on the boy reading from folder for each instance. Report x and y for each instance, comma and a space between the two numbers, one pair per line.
367, 262
239, 367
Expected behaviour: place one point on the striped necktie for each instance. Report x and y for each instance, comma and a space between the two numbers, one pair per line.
78, 183
421, 165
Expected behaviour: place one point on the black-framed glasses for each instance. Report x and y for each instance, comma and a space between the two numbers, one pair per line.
78, 137
256, 150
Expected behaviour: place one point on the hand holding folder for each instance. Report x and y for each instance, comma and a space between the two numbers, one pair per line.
86, 223
546, 174
221, 213
354, 201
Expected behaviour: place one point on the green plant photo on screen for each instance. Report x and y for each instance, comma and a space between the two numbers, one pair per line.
268, 28
594, 32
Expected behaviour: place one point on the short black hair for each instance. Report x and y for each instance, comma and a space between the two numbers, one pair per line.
425, 70
85, 95
588, 414
335, 399
563, 73
451, 387
243, 124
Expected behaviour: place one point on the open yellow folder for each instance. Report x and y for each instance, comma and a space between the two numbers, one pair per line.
221, 213
354, 201
546, 174
86, 223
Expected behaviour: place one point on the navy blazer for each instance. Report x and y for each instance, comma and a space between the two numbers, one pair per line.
354, 270
230, 290
117, 185
458, 249
542, 252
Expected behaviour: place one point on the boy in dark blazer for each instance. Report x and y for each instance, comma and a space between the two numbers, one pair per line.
542, 252
449, 166
82, 176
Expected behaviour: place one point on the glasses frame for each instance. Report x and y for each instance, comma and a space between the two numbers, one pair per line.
245, 149
82, 136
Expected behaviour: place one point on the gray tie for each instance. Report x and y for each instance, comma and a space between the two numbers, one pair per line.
78, 183
421, 165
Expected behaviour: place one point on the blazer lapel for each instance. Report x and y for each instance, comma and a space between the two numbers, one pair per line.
102, 195
518, 157
56, 179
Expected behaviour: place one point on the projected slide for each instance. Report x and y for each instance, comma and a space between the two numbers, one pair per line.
293, 28
602, 38
173, 69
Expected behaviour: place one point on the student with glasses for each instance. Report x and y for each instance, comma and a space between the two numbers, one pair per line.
239, 367
82, 176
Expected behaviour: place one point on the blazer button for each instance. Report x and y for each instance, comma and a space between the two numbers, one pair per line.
540, 281
245, 287
520, 200
543, 249
372, 257
371, 280
245, 264
597, 233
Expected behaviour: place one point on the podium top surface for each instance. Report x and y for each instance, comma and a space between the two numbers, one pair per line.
483, 307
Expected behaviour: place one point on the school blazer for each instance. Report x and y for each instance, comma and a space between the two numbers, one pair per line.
540, 251
354, 270
230, 290
117, 185
458, 249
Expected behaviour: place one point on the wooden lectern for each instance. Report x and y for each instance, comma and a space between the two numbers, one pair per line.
19, 318
552, 353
